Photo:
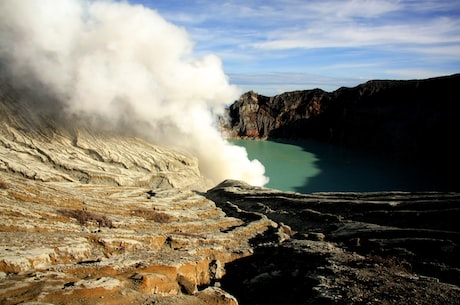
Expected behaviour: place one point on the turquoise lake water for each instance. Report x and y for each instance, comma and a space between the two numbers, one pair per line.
310, 166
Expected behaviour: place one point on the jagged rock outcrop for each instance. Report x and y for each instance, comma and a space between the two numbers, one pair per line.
414, 120
281, 116
345, 248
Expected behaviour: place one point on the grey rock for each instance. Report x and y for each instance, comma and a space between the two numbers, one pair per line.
346, 248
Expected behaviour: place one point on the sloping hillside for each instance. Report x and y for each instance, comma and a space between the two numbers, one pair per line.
46, 145
92, 217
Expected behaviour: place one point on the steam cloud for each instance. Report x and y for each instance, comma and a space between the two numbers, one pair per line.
125, 64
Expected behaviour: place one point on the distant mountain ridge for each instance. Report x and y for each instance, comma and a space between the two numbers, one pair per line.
412, 119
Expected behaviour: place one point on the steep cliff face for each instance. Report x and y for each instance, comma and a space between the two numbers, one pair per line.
413, 119
281, 116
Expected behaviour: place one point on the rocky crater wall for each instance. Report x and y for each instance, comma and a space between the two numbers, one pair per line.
413, 120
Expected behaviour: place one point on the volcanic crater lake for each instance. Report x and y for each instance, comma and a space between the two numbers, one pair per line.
309, 166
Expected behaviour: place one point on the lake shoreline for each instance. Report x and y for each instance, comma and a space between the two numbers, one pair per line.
307, 166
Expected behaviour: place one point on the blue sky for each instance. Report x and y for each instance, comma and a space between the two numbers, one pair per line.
276, 46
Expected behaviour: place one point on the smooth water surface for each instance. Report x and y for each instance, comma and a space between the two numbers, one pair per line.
310, 166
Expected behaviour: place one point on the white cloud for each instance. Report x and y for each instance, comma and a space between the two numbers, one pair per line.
337, 9
415, 73
352, 35
318, 36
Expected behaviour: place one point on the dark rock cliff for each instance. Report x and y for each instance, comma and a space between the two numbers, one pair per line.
414, 119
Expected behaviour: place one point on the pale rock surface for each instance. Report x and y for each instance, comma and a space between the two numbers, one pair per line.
47, 145
158, 248
99, 218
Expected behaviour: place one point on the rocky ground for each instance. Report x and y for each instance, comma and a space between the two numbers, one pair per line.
67, 243
100, 218
345, 248
105, 218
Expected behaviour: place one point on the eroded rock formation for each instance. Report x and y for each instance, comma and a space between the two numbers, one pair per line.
73, 243
34, 144
99, 218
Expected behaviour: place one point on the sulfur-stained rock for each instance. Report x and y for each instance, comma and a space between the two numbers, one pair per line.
156, 283
101, 218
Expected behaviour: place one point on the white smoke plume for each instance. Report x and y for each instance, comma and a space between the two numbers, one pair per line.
125, 64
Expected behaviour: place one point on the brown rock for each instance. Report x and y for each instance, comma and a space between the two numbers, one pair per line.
217, 296
101, 218
156, 283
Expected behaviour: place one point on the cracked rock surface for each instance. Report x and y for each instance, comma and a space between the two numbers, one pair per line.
345, 248
62, 241
101, 218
